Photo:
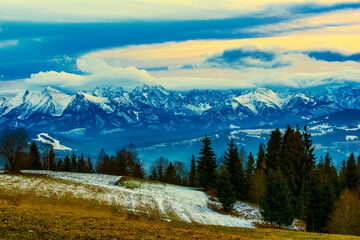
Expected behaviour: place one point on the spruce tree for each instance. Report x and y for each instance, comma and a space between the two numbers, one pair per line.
275, 204
51, 159
258, 180
74, 166
352, 176
207, 166
225, 191
330, 170
67, 164
260, 160
161, 165
121, 167
293, 165
249, 173
60, 165
192, 174
308, 151
89, 165
234, 166
321, 198
153, 174
139, 171
170, 174
272, 159
34, 157
105, 166
81, 166
342, 172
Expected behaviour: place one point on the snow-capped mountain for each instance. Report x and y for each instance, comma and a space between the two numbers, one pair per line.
153, 108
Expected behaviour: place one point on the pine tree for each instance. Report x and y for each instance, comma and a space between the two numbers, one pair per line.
161, 165
272, 159
293, 165
74, 167
153, 174
309, 167
275, 204
67, 164
321, 198
34, 157
352, 176
260, 161
342, 172
308, 151
121, 167
257, 186
81, 166
249, 173
170, 174
105, 166
89, 165
192, 174
51, 159
207, 166
330, 170
139, 171
225, 191
234, 166
60, 165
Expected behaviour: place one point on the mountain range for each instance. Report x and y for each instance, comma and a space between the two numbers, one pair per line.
169, 123
153, 108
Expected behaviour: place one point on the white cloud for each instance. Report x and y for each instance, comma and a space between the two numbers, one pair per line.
338, 18
96, 73
110, 10
8, 43
10, 92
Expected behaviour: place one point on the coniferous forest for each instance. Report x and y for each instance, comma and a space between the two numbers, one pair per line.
284, 178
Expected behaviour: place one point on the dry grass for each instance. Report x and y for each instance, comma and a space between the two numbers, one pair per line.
27, 216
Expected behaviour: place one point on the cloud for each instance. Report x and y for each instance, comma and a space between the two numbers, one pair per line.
95, 73
328, 19
331, 56
99, 73
10, 92
8, 43
110, 10
247, 56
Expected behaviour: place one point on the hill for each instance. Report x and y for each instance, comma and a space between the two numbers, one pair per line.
70, 205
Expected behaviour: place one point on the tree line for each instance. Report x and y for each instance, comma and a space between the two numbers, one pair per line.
286, 181
283, 178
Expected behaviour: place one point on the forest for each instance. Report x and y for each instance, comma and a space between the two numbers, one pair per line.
284, 178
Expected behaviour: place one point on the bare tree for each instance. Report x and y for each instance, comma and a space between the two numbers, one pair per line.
13, 147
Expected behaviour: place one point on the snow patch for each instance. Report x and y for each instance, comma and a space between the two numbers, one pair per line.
46, 139
351, 138
105, 132
182, 203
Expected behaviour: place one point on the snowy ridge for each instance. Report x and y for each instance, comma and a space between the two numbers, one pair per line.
255, 100
154, 108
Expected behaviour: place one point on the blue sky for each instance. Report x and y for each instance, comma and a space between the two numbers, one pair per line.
178, 44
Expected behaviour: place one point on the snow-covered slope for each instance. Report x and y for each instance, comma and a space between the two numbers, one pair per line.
259, 99
169, 202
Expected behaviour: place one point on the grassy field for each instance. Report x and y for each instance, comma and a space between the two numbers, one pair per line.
28, 216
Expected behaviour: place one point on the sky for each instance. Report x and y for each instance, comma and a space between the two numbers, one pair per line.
179, 44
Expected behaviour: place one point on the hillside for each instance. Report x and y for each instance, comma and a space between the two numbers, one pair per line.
96, 206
